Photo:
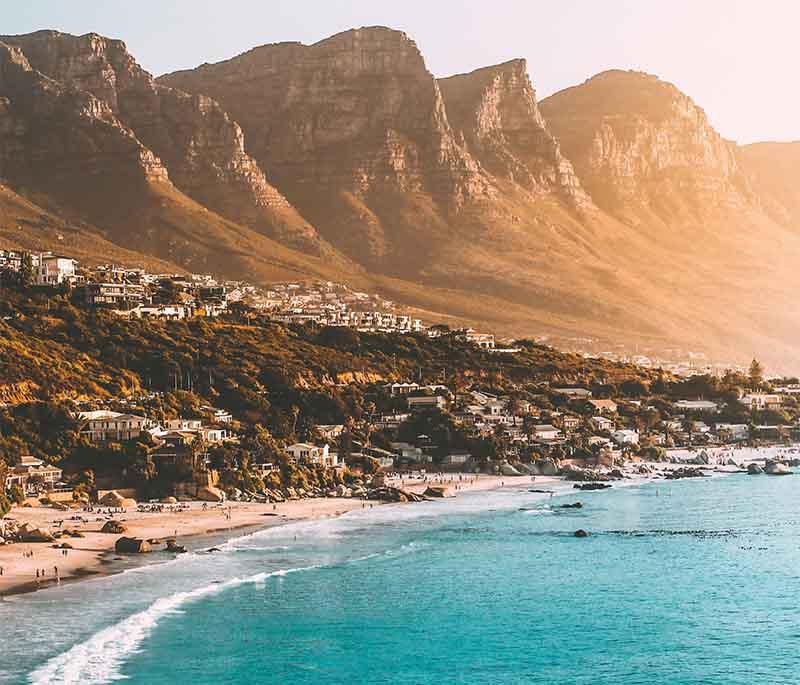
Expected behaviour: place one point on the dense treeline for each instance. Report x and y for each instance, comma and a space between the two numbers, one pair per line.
279, 382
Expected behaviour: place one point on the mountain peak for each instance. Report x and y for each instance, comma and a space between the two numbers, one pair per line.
638, 142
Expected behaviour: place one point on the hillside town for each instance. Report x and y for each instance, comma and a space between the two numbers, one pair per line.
177, 445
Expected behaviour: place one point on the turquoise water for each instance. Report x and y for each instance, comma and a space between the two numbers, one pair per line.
687, 582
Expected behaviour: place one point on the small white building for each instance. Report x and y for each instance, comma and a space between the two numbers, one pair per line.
601, 423
759, 401
311, 454
426, 402
704, 406
546, 432
112, 426
30, 473
625, 437
54, 270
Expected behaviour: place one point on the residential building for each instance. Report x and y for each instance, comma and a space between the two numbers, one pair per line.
32, 474
426, 402
112, 426
574, 393
702, 406
118, 295
625, 437
54, 270
601, 423
761, 401
604, 406
311, 454
545, 432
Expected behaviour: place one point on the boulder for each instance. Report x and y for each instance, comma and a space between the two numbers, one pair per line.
754, 469
210, 494
592, 486
546, 467
776, 468
132, 546
29, 533
112, 499
113, 527
685, 472
576, 505
169, 500
508, 470
575, 473
59, 506
438, 491
173, 546
581, 533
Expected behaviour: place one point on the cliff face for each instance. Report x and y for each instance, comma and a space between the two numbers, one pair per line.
354, 130
199, 144
496, 112
358, 111
638, 142
774, 173
53, 138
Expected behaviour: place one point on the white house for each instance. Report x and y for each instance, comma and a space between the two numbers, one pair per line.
545, 431
733, 432
760, 401
697, 405
30, 472
601, 423
426, 402
112, 426
574, 393
625, 437
311, 454
55, 270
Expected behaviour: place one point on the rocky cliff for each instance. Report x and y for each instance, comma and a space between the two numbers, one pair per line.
354, 130
61, 140
496, 112
638, 142
774, 173
200, 145
357, 111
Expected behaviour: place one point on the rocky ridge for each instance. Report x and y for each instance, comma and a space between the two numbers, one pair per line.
637, 141
200, 145
495, 111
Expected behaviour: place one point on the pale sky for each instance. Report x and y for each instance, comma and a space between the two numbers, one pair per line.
737, 58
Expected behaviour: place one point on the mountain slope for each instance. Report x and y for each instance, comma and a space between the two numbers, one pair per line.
638, 143
66, 151
201, 147
774, 171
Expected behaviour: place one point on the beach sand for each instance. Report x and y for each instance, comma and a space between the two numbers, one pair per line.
94, 554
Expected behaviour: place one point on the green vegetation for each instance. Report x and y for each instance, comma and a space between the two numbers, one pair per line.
281, 383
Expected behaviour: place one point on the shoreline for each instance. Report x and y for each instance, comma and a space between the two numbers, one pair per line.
93, 555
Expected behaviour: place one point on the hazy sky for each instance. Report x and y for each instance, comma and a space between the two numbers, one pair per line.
737, 58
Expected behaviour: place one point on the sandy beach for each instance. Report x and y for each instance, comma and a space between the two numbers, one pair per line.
94, 553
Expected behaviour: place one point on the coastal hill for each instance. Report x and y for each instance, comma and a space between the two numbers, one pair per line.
612, 209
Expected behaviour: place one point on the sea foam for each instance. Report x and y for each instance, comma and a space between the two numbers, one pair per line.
100, 658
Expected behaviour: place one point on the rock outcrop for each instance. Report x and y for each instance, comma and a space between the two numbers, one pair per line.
127, 545
199, 144
63, 140
637, 141
353, 129
496, 112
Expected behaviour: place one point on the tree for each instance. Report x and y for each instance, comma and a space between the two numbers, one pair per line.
26, 272
756, 374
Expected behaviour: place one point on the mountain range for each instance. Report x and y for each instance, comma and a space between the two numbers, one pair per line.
610, 209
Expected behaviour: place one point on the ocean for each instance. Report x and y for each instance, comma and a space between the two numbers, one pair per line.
692, 581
